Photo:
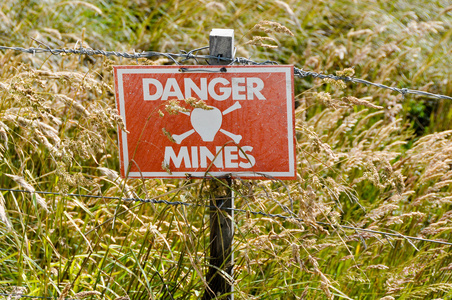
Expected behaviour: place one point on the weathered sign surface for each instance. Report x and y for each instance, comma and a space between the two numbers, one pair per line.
247, 131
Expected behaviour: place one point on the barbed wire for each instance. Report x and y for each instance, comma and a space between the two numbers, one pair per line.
19, 295
299, 72
235, 210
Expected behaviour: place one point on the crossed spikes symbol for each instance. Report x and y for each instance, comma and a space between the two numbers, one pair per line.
236, 138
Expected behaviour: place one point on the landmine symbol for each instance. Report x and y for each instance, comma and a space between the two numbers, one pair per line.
207, 123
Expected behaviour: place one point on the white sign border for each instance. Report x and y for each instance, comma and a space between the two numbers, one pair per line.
121, 70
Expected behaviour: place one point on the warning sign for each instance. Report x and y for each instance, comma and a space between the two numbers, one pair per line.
246, 129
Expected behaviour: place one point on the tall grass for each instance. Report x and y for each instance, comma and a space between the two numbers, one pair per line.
366, 157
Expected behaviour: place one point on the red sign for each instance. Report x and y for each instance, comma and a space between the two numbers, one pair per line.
247, 129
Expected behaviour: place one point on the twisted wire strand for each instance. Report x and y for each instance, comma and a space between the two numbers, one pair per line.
299, 72
256, 213
18, 296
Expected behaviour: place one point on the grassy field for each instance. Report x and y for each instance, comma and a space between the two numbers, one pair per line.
367, 157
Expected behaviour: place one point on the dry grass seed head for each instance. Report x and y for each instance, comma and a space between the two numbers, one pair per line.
259, 27
65, 291
378, 267
216, 6
4, 135
43, 140
173, 107
3, 216
259, 41
362, 101
168, 135
73, 104
83, 295
193, 102
326, 99
318, 145
86, 81
37, 125
423, 292
296, 253
358, 33
423, 28
448, 268
114, 177
29, 188
109, 173
339, 52
400, 219
166, 168
17, 292
336, 83
277, 27
347, 257
347, 72
116, 119
398, 182
439, 185
267, 27
289, 11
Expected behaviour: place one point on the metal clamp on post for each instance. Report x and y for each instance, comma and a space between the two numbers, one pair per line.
186, 70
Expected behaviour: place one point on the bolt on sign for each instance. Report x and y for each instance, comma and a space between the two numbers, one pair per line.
246, 128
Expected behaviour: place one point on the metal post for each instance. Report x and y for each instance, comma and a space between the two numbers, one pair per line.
221, 221
221, 44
